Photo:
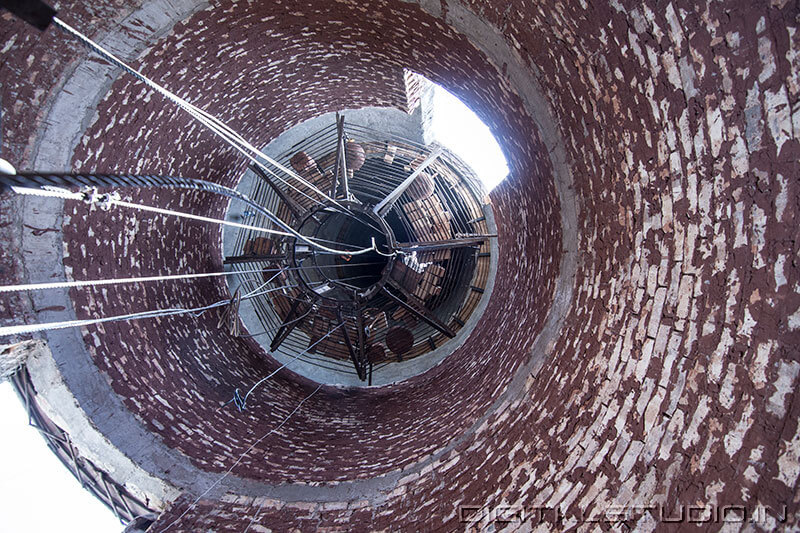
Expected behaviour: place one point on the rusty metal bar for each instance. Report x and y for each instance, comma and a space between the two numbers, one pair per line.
236, 259
296, 210
386, 204
357, 362
339, 152
428, 246
361, 340
108, 495
287, 327
420, 313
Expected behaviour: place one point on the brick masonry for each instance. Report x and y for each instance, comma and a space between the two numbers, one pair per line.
672, 379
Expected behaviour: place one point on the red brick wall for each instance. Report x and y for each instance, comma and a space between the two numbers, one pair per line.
672, 380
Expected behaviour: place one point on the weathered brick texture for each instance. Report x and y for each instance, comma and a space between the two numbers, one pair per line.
672, 380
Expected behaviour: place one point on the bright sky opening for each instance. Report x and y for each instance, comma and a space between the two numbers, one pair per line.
458, 128
37, 493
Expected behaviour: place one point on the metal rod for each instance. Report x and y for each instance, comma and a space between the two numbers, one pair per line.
296, 210
286, 328
108, 495
75, 463
361, 340
386, 204
337, 163
442, 245
420, 313
357, 363
121, 498
343, 166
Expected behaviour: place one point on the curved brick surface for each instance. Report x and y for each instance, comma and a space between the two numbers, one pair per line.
671, 381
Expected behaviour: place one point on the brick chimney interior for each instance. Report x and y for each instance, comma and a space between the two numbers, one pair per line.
640, 343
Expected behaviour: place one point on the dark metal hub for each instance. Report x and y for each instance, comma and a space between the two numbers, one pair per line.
413, 213
344, 278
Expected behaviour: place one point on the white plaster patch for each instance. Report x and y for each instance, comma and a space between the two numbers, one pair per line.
758, 368
794, 320
714, 118
787, 375
767, 59
789, 461
692, 436
779, 118
778, 269
739, 153
759, 230
754, 123
715, 366
782, 198
733, 439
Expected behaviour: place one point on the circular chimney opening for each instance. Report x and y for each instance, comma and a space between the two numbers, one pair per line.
341, 276
328, 313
